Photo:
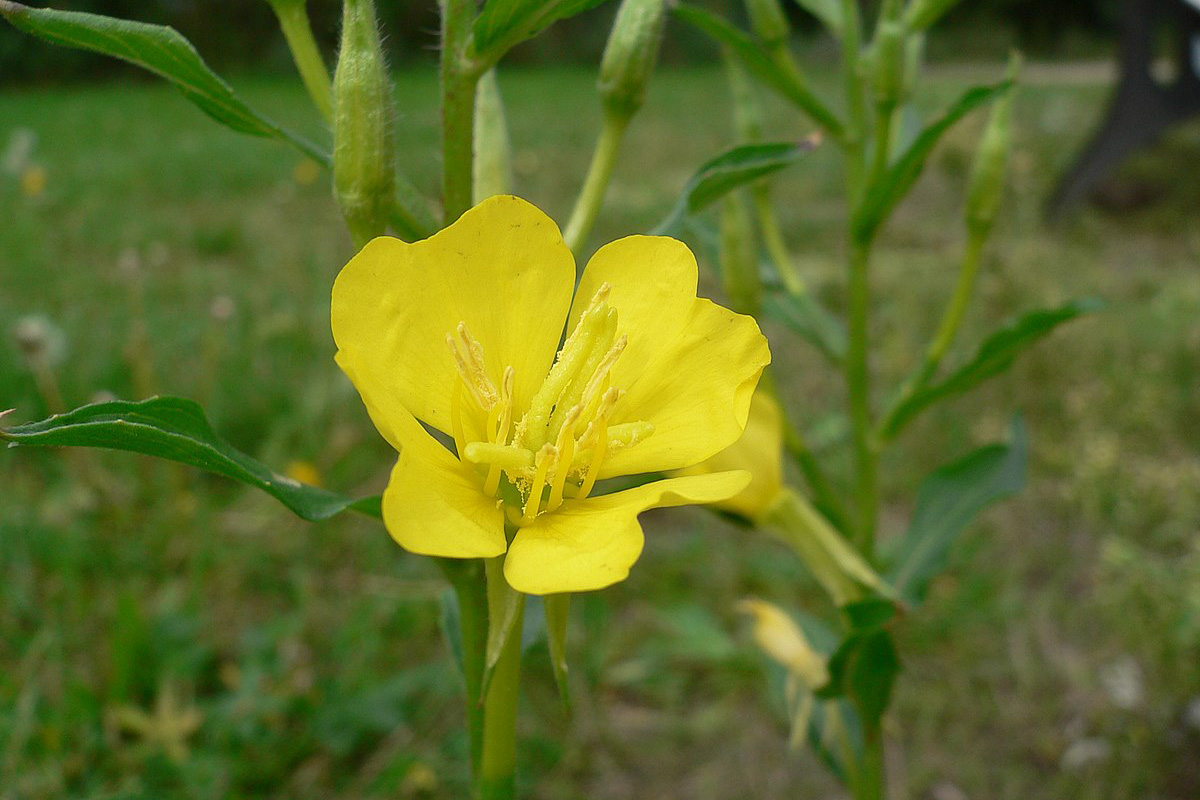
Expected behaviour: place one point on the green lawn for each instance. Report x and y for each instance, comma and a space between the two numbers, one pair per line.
305, 661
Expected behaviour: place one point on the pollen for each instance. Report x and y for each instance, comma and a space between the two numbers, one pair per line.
555, 451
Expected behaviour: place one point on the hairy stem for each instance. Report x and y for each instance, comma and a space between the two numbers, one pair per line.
459, 76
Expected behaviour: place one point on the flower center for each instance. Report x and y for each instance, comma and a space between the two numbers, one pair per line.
555, 450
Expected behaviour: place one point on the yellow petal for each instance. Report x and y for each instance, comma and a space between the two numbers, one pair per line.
759, 451
784, 641
690, 366
502, 268
589, 544
433, 504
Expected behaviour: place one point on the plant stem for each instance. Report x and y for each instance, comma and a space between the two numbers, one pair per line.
499, 759
768, 225
869, 782
591, 196
470, 588
293, 21
856, 101
459, 76
952, 319
858, 387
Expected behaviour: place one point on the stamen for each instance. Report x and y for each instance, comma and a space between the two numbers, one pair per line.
566, 452
492, 483
544, 459
469, 360
598, 454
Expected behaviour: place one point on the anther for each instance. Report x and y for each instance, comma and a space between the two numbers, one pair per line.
566, 453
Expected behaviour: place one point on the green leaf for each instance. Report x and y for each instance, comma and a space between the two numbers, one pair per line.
729, 170
504, 23
829, 12
870, 614
759, 63
994, 356
886, 193
947, 502
557, 613
810, 320
176, 430
160, 50
864, 669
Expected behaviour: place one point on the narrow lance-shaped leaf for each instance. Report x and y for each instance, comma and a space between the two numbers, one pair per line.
158, 49
994, 356
886, 193
729, 170
175, 429
947, 502
759, 63
504, 23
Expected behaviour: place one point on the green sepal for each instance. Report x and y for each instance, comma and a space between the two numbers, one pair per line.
160, 50
505, 607
948, 500
177, 430
557, 607
994, 356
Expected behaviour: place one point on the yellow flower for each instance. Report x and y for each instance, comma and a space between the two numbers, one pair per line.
460, 332
759, 451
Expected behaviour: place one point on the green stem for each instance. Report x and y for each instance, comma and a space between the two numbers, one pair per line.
952, 320
858, 387
802, 95
293, 21
777, 250
591, 196
499, 760
856, 99
470, 588
459, 76
869, 783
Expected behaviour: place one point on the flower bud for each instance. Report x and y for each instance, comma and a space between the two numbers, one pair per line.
364, 176
991, 160
890, 58
630, 55
768, 21
493, 151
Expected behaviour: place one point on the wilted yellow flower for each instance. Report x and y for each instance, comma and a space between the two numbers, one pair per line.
759, 451
782, 640
460, 332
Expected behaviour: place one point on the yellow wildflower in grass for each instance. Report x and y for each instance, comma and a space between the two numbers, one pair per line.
460, 332
759, 451
33, 181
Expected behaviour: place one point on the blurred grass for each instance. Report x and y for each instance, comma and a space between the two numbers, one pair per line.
179, 258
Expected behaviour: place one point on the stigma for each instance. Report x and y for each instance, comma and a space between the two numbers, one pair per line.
555, 451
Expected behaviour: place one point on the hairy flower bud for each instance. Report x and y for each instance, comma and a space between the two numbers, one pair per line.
991, 160
364, 176
630, 55
493, 150
768, 21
